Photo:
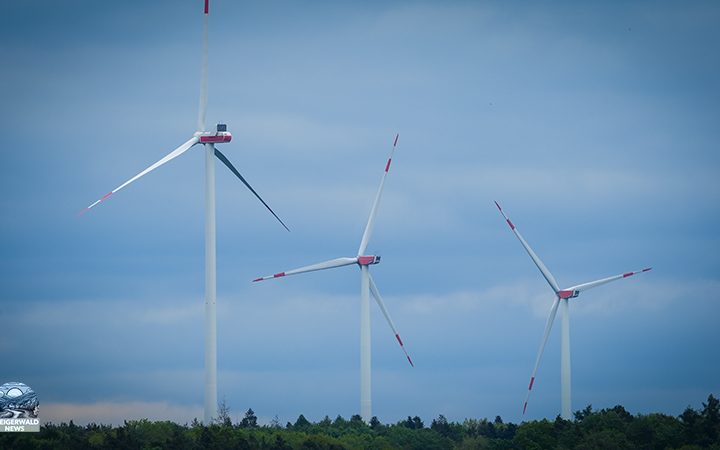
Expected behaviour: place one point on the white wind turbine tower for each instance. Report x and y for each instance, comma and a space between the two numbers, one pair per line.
367, 287
561, 298
208, 139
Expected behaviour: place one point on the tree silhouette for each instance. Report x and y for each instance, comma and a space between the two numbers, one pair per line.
612, 428
250, 420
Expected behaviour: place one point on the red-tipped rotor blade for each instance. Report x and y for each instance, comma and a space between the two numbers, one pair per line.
596, 283
203, 73
170, 156
548, 328
373, 211
376, 294
337, 262
540, 265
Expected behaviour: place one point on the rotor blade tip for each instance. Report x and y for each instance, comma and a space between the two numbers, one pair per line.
257, 279
410, 360
647, 270
524, 408
396, 139
498, 206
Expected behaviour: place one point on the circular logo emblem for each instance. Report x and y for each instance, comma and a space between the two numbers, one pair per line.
18, 401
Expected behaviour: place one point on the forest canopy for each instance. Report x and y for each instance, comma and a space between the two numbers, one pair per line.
611, 428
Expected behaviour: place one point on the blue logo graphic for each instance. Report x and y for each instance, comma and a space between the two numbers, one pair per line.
18, 401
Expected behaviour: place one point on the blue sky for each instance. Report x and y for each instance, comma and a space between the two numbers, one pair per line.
594, 125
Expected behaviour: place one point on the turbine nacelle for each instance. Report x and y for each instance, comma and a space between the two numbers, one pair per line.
219, 136
569, 293
367, 260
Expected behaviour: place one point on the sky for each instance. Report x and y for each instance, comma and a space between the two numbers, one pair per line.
594, 124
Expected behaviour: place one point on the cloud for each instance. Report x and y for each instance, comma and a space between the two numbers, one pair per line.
176, 314
617, 298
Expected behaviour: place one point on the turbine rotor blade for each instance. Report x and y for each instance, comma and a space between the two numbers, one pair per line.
232, 168
376, 294
548, 327
373, 211
543, 269
592, 284
337, 262
172, 155
204, 73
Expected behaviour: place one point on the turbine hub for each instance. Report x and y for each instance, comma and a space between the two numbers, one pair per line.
367, 260
568, 294
218, 136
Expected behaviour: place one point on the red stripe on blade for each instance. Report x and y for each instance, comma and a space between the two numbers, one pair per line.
532, 380
397, 336
387, 167
625, 275
206, 6
512, 227
258, 279
277, 275
524, 407
410, 361
645, 270
396, 138
106, 196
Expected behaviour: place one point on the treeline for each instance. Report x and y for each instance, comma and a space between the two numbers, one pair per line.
612, 428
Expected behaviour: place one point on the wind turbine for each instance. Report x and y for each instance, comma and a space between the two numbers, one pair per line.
367, 287
208, 139
561, 298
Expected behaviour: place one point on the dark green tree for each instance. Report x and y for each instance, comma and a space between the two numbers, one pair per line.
414, 423
691, 426
536, 435
441, 426
275, 422
326, 423
279, 444
340, 423
375, 424
655, 431
710, 422
582, 414
356, 422
301, 424
250, 420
